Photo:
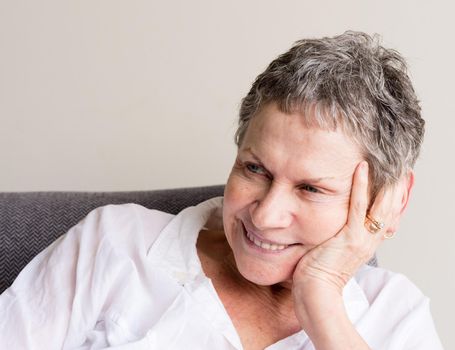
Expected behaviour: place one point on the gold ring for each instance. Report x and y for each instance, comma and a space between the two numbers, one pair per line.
372, 225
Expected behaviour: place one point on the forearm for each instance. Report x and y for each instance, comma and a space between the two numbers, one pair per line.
323, 317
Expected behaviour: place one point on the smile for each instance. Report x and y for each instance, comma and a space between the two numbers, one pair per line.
264, 245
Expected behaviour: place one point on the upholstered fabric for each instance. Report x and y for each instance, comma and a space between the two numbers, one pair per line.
31, 221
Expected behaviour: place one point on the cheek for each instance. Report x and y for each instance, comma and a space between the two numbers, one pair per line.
239, 192
232, 205
230, 201
323, 221
232, 193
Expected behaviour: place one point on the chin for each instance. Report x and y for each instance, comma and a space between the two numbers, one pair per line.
260, 266
263, 275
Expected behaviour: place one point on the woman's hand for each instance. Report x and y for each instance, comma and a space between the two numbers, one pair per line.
332, 263
322, 272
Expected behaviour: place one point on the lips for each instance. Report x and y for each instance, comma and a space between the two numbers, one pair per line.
263, 243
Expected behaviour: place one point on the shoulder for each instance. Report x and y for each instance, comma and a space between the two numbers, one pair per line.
128, 227
383, 286
122, 225
129, 216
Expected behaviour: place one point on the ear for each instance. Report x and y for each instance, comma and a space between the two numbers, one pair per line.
403, 188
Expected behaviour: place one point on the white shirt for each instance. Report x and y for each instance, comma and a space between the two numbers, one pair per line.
127, 277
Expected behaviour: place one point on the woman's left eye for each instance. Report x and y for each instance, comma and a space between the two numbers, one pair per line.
309, 188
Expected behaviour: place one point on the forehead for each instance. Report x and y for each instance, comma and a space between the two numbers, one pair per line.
270, 124
287, 141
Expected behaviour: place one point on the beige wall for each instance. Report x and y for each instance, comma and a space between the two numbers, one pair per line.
123, 95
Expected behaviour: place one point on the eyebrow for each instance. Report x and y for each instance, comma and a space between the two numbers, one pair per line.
314, 180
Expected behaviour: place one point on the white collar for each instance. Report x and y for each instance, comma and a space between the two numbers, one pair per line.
175, 248
175, 251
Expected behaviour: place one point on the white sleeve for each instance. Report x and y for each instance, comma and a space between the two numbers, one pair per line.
61, 292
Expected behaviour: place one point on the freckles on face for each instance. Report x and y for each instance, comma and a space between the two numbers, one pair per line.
289, 187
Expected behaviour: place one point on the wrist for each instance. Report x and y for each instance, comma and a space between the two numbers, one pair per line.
323, 317
316, 306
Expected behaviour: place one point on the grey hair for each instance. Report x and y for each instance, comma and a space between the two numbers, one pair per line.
349, 82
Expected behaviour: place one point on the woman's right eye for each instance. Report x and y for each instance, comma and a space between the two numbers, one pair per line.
255, 169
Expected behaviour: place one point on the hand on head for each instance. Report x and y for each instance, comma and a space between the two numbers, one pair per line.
331, 264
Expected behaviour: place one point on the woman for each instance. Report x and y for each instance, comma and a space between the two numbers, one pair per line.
327, 139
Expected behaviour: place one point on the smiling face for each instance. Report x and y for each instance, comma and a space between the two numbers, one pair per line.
288, 191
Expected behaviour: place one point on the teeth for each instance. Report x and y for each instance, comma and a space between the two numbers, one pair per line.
264, 245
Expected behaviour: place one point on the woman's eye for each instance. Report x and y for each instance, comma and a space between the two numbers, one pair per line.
256, 169
309, 188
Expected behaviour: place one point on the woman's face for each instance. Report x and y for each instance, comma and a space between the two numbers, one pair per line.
288, 191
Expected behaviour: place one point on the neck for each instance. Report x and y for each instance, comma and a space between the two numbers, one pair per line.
274, 302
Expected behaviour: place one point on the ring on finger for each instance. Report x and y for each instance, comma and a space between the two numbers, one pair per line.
372, 225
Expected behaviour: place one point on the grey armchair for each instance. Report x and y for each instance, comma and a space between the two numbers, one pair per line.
31, 221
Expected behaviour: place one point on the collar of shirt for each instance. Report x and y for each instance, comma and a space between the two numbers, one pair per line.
174, 251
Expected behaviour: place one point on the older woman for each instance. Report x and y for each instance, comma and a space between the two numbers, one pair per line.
327, 139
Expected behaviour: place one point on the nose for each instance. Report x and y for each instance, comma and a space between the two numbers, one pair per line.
273, 209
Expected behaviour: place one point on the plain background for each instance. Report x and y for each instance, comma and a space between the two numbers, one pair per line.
135, 95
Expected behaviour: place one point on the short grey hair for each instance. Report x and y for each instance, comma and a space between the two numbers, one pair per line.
350, 82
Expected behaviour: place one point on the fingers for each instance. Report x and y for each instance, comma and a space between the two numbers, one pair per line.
385, 208
359, 237
358, 203
380, 209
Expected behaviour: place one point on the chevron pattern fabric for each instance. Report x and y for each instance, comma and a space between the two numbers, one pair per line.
30, 221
